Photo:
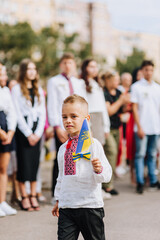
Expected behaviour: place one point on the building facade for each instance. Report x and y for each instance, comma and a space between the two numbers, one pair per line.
39, 13
125, 41
90, 20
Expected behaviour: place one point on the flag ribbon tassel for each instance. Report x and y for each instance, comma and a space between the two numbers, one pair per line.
78, 156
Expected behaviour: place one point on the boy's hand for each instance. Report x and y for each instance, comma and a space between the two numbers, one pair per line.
55, 211
97, 166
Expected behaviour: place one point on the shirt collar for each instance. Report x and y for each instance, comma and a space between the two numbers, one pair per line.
146, 82
65, 76
73, 138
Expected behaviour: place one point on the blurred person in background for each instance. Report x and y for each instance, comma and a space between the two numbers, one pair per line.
145, 96
130, 140
100, 123
48, 134
59, 87
12, 83
8, 123
126, 81
124, 87
137, 75
115, 100
29, 101
12, 167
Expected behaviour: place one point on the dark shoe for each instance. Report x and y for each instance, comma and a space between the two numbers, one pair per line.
154, 186
34, 203
140, 188
29, 208
112, 192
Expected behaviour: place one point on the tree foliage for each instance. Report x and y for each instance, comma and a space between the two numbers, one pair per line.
44, 47
133, 61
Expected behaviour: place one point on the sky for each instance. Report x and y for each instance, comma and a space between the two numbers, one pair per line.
135, 15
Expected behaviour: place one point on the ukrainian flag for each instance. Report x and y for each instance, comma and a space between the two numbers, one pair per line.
84, 140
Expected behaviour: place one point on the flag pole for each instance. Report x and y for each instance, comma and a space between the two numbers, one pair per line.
91, 138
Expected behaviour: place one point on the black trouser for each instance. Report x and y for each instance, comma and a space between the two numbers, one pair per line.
55, 166
88, 221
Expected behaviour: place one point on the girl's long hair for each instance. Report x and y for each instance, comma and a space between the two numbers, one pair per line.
22, 80
84, 74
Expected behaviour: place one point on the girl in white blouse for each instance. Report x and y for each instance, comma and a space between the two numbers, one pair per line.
29, 102
7, 129
100, 123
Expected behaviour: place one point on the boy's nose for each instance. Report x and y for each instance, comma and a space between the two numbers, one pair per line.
68, 120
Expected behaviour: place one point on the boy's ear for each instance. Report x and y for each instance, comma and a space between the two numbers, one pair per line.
88, 117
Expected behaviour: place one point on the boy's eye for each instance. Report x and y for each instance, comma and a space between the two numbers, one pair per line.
74, 116
64, 117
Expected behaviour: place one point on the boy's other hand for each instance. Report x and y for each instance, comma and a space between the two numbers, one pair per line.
97, 166
55, 211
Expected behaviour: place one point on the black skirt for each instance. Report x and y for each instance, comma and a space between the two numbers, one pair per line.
3, 124
27, 157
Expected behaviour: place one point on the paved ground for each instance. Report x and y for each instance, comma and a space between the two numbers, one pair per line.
128, 216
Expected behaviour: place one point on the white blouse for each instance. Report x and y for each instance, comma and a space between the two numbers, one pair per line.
7, 107
58, 90
82, 190
24, 108
96, 103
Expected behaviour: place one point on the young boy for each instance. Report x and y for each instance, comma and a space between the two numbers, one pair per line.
78, 190
59, 87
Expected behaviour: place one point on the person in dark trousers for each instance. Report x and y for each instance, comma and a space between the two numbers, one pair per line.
78, 192
29, 102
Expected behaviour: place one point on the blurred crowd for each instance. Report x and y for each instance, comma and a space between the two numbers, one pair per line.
125, 118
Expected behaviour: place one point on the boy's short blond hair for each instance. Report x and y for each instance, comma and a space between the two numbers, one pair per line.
76, 99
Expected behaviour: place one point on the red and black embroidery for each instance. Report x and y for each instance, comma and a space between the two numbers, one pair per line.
69, 165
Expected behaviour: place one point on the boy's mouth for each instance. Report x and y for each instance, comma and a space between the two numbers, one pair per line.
69, 126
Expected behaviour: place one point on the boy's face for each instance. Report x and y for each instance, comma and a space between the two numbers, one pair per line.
73, 115
148, 72
68, 66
